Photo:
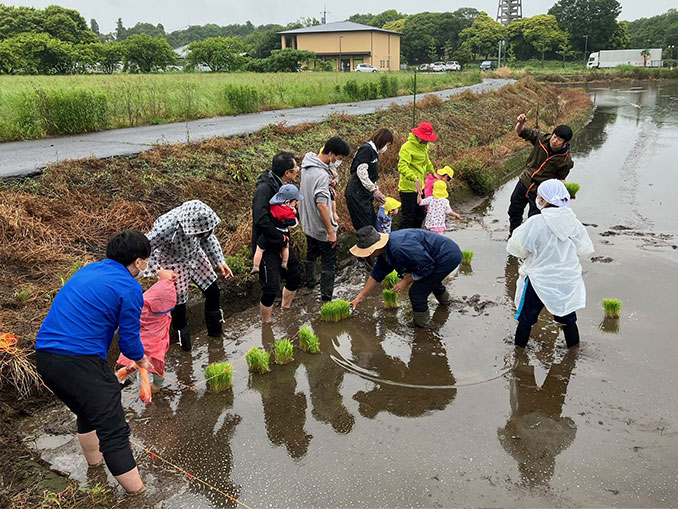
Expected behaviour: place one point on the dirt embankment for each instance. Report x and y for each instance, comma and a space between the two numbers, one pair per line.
52, 224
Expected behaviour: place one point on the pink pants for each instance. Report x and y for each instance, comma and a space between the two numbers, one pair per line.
438, 229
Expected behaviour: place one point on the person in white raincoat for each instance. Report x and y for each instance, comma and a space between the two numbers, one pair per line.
183, 240
550, 276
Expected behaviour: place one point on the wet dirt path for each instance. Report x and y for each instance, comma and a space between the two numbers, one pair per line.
387, 416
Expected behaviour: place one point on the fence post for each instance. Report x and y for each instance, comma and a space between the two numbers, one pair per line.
414, 101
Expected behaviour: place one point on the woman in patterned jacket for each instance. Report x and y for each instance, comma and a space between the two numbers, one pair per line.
183, 240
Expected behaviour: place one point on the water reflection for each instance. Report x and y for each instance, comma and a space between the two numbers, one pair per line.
595, 134
610, 325
536, 432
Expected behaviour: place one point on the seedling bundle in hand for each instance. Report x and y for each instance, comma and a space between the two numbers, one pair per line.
257, 360
391, 280
335, 311
612, 308
308, 341
219, 376
572, 188
283, 351
390, 299
466, 257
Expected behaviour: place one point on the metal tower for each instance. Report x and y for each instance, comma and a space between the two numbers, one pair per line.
509, 10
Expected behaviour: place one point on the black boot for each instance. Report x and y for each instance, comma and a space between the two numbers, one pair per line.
326, 285
523, 334
571, 334
213, 320
185, 338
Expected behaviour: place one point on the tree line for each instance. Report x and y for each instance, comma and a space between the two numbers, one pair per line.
56, 40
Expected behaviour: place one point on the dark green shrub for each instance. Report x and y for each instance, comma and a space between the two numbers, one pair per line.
351, 90
475, 174
242, 98
72, 111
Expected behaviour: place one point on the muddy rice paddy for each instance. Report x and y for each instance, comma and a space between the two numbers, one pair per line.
388, 416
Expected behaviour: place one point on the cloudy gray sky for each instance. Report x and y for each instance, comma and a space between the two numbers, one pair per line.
176, 14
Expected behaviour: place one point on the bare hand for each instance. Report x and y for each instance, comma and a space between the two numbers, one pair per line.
336, 218
145, 363
379, 196
417, 185
225, 270
355, 302
522, 118
456, 215
332, 238
401, 286
167, 275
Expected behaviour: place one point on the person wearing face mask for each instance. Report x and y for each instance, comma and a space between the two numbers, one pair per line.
414, 164
317, 216
550, 244
72, 349
549, 159
183, 240
362, 190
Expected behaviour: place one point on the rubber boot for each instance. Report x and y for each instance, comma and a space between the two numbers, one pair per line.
421, 319
213, 320
326, 285
311, 274
185, 338
523, 334
445, 298
571, 334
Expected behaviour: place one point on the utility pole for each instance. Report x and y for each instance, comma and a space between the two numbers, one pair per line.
586, 47
501, 43
323, 18
341, 64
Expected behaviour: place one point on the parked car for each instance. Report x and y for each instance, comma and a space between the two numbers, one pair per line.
452, 65
487, 65
438, 67
365, 68
425, 67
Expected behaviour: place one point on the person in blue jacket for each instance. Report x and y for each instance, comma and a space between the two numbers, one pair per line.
72, 350
426, 257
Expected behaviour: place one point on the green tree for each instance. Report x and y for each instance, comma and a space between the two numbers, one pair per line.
543, 33
218, 53
31, 53
111, 55
288, 60
396, 26
94, 26
662, 30
440, 30
119, 30
387, 16
144, 53
483, 36
596, 19
259, 44
620, 37
363, 19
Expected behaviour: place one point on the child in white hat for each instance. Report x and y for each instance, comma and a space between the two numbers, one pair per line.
437, 207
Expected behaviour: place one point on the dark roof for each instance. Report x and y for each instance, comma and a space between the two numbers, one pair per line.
338, 26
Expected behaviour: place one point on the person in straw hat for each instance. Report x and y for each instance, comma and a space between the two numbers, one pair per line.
425, 257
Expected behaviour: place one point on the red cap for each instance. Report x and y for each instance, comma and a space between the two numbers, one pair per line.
424, 132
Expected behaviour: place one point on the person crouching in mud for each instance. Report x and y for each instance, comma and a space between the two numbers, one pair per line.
550, 244
426, 257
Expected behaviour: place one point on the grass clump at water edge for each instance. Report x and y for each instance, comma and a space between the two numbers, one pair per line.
308, 341
466, 257
283, 351
219, 376
335, 311
391, 280
257, 360
612, 307
572, 188
390, 299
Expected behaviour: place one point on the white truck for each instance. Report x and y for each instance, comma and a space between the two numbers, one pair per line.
612, 58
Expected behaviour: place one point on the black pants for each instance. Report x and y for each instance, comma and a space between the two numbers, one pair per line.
433, 283
328, 256
412, 215
519, 200
361, 208
270, 274
531, 305
179, 320
89, 388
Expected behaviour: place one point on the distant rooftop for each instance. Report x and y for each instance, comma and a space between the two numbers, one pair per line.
338, 26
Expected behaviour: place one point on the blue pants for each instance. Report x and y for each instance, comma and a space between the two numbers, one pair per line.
433, 283
531, 305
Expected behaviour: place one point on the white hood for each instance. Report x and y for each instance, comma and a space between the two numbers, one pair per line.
561, 221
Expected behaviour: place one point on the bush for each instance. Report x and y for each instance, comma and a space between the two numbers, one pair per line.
388, 86
242, 98
474, 173
369, 90
240, 263
352, 90
72, 111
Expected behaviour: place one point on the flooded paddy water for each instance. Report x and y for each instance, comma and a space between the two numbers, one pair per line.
389, 416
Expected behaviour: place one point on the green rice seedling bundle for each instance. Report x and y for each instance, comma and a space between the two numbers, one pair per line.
335, 311
572, 188
257, 360
283, 351
308, 341
612, 307
391, 280
219, 376
390, 299
466, 257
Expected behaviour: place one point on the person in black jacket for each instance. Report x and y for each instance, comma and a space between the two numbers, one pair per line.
283, 171
362, 190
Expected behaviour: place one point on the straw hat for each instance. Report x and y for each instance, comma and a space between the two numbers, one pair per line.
446, 170
424, 131
391, 204
440, 189
368, 240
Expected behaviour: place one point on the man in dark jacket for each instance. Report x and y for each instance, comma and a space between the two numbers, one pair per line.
283, 171
426, 257
549, 159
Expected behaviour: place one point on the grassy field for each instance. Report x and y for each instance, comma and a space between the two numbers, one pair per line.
34, 107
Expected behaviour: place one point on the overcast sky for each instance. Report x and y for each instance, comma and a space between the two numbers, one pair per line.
177, 14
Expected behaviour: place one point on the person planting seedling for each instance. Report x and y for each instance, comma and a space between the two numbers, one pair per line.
550, 276
308, 341
390, 299
335, 310
612, 308
391, 280
219, 376
257, 360
283, 351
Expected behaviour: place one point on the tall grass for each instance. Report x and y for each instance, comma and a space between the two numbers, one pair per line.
38, 106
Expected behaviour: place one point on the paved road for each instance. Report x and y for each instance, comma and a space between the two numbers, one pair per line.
25, 158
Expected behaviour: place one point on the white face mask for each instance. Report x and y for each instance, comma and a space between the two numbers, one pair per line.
141, 271
541, 203
336, 163
383, 149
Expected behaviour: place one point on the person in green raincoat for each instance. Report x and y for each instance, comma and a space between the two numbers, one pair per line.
414, 164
